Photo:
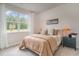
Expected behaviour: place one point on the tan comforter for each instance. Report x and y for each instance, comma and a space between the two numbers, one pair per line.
41, 44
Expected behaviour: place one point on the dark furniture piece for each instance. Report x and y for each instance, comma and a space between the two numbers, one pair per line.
69, 42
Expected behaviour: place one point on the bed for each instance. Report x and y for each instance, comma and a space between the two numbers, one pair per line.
43, 45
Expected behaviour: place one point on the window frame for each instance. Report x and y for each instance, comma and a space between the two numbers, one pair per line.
18, 29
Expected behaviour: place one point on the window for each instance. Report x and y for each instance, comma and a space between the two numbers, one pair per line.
16, 21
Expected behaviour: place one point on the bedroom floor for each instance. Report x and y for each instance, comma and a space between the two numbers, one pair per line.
14, 51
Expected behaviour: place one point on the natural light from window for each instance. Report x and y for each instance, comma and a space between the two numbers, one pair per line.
16, 21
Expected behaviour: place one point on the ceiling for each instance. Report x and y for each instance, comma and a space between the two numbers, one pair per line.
37, 7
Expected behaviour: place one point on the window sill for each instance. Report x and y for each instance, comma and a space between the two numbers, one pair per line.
17, 31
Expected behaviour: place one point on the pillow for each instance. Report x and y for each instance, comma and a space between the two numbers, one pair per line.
44, 32
55, 31
50, 32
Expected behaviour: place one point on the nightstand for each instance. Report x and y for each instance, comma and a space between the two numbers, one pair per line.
69, 42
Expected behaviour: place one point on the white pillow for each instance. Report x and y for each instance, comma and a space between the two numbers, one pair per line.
44, 32
50, 32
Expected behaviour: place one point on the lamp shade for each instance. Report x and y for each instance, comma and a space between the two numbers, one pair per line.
66, 30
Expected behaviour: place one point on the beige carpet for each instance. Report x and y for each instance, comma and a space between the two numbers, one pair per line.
14, 51
66, 51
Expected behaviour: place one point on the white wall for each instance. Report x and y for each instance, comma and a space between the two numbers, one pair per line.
36, 24
68, 14
0, 25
